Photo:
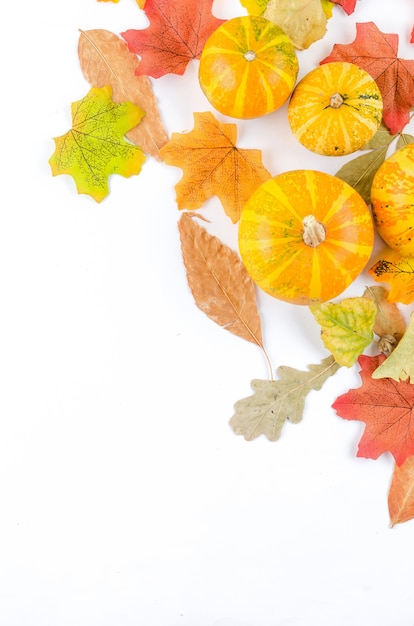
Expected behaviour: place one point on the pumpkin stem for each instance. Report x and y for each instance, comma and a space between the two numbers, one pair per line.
250, 55
314, 232
336, 101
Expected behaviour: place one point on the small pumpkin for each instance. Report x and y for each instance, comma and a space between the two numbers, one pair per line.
392, 198
248, 67
335, 109
304, 236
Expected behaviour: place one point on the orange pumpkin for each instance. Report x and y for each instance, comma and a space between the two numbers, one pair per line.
304, 236
335, 109
248, 67
392, 197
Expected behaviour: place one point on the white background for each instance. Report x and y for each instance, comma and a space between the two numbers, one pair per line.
125, 497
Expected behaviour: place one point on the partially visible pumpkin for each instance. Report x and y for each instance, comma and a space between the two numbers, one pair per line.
248, 67
305, 236
335, 109
392, 197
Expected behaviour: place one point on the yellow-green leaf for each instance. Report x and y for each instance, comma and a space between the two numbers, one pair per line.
95, 147
254, 7
275, 401
359, 172
347, 327
400, 364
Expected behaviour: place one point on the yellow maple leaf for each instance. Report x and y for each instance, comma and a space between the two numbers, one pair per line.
214, 166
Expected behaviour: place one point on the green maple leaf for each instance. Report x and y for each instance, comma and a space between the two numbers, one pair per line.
95, 147
274, 401
347, 327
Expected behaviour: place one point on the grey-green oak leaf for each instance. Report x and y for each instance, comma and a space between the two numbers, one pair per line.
275, 401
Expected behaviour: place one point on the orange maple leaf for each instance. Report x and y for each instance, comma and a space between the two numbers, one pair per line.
214, 166
376, 53
386, 407
398, 272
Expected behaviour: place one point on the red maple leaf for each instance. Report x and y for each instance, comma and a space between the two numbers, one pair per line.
376, 53
347, 5
386, 407
177, 33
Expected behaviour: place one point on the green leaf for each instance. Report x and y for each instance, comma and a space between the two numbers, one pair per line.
404, 140
400, 364
347, 327
359, 172
383, 137
95, 146
273, 402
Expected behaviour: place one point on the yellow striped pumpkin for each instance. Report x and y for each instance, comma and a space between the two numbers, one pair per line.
248, 67
304, 236
392, 197
335, 109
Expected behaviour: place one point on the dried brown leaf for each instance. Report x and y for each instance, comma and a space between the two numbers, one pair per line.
389, 323
106, 60
219, 281
401, 493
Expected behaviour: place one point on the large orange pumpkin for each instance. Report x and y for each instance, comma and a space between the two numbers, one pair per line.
335, 109
304, 236
392, 197
248, 67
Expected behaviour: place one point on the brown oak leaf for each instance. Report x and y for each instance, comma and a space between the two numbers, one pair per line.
377, 53
214, 165
106, 60
177, 33
387, 408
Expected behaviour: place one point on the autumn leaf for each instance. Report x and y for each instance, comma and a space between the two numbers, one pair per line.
214, 165
347, 327
177, 33
106, 60
389, 322
303, 20
398, 272
273, 402
95, 148
254, 7
376, 53
347, 5
401, 493
400, 363
219, 282
386, 407
360, 172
